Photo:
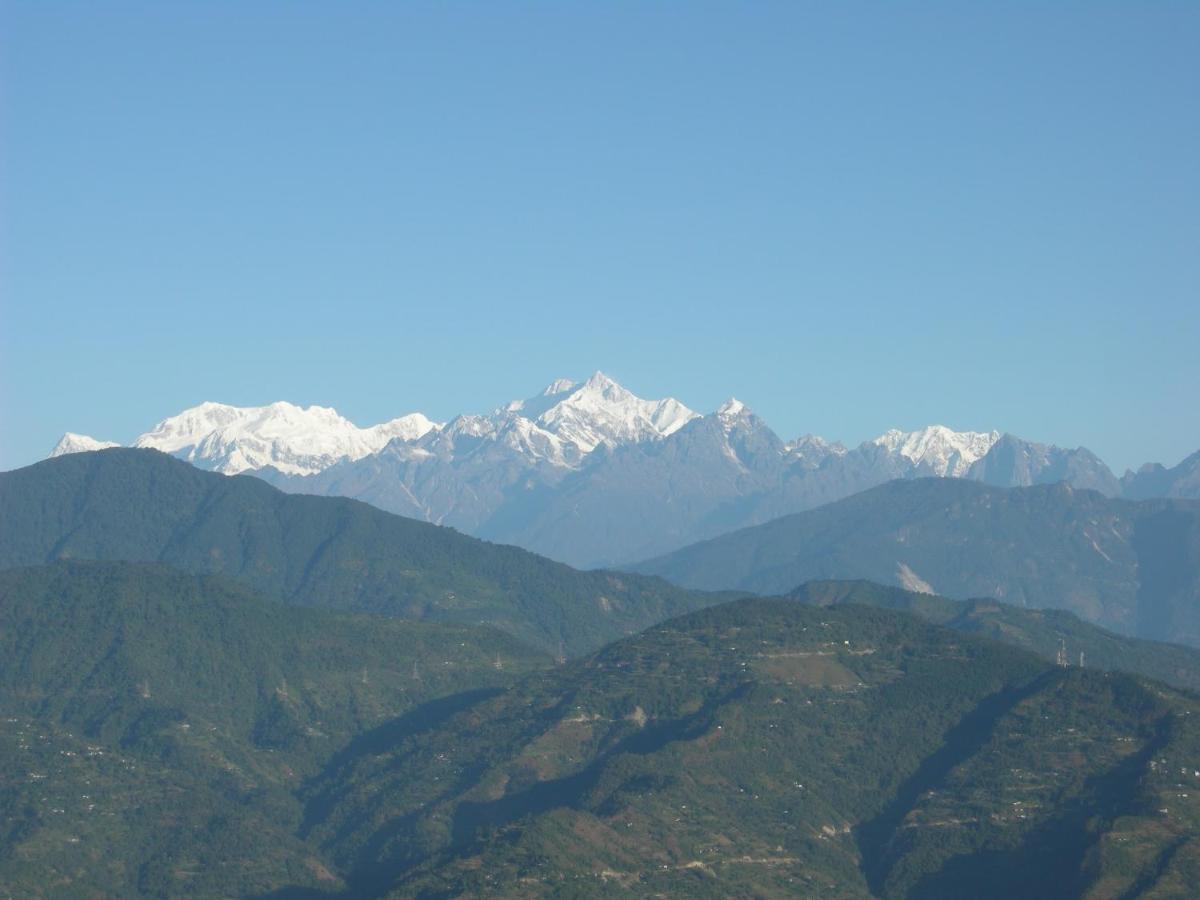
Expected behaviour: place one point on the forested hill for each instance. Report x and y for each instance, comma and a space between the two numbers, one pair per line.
155, 725
1046, 632
768, 748
142, 505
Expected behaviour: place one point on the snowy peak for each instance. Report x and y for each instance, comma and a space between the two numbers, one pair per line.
559, 386
295, 440
731, 408
556, 391
78, 443
938, 449
467, 435
601, 411
407, 428
810, 451
735, 417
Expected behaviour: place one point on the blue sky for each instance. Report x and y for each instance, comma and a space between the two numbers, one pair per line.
851, 216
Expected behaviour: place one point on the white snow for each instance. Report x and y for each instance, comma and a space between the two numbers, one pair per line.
731, 408
561, 425
295, 440
559, 386
601, 411
939, 449
78, 443
815, 445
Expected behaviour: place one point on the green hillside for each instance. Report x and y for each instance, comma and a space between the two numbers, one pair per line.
774, 749
168, 734
155, 725
1131, 567
1042, 631
143, 505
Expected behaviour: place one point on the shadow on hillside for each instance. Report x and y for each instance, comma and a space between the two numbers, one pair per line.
379, 740
1165, 563
961, 742
471, 819
1049, 861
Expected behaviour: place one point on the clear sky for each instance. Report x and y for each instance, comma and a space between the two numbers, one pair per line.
850, 216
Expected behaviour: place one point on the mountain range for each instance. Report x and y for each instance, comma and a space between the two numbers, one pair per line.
1132, 566
592, 475
209, 687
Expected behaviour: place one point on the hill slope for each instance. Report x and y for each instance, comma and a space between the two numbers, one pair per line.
1041, 631
770, 748
1131, 567
156, 725
143, 505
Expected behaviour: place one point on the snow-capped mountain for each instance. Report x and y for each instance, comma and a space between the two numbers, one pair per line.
937, 450
78, 443
601, 411
563, 424
588, 472
292, 439
809, 450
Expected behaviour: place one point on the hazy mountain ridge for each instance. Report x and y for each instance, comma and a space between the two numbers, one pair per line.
590, 474
1155, 480
1132, 566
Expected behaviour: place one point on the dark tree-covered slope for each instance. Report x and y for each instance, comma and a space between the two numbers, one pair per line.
774, 749
317, 551
168, 734
1132, 567
155, 725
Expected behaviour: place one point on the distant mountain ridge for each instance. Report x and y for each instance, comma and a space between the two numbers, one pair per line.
590, 474
1155, 480
1130, 566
